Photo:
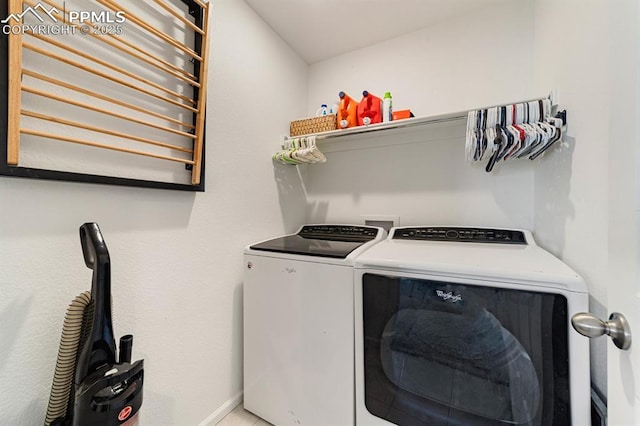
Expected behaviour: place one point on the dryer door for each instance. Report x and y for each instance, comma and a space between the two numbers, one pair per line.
443, 353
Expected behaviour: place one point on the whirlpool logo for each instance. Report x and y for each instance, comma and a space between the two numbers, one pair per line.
448, 296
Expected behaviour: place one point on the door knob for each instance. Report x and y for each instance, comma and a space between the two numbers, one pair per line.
591, 326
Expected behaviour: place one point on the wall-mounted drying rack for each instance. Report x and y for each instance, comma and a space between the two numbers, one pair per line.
378, 135
124, 90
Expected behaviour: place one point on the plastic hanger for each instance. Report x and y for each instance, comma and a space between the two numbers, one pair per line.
471, 135
553, 130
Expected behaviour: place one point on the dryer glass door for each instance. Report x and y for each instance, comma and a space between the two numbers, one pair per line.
444, 353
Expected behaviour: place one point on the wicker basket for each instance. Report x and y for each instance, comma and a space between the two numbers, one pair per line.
313, 125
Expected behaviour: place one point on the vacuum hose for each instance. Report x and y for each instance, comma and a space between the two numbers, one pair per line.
66, 362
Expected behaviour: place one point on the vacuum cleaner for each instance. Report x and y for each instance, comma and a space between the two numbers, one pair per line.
90, 387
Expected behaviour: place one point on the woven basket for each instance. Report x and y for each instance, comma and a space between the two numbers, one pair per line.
313, 125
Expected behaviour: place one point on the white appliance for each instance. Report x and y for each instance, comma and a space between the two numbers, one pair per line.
468, 326
298, 325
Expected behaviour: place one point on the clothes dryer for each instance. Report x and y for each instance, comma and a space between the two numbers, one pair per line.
468, 326
298, 325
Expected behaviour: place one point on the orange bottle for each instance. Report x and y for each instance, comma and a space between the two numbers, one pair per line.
347, 112
369, 109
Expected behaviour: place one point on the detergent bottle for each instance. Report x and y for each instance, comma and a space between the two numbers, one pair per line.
387, 108
347, 111
323, 110
369, 109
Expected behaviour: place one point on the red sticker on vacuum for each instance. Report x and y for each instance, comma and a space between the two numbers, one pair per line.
125, 413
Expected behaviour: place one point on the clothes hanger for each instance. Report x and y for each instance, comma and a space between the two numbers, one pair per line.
315, 152
468, 146
556, 138
554, 124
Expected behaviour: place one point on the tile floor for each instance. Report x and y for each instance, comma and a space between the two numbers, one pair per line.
241, 417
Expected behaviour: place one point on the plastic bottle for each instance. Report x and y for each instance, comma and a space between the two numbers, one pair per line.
323, 110
347, 112
387, 108
369, 109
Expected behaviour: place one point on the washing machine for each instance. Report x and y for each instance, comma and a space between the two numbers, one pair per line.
299, 325
468, 326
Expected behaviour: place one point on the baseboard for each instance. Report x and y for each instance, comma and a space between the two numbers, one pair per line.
224, 409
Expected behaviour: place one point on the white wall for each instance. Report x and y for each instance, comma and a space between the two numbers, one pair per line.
459, 64
176, 257
572, 185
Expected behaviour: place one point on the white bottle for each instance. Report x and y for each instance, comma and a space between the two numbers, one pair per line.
323, 110
387, 108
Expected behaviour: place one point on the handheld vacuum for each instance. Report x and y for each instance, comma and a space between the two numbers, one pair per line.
90, 387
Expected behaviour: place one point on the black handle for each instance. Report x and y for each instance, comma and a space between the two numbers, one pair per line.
99, 348
93, 246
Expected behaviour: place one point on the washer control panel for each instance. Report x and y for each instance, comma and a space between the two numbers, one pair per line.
339, 232
466, 235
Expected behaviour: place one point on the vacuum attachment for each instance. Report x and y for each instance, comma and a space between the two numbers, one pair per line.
90, 386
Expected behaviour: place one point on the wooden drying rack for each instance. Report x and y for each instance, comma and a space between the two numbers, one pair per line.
195, 105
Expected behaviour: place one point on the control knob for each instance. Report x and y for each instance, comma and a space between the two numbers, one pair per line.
452, 234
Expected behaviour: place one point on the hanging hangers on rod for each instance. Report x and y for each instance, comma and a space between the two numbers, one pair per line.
520, 130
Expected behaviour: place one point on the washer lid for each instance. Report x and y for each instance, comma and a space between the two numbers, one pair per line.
525, 263
334, 241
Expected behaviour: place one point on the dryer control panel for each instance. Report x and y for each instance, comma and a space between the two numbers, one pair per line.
467, 235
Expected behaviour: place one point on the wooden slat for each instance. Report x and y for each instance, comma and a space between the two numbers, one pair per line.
103, 131
111, 67
179, 16
100, 145
140, 22
15, 83
133, 47
103, 111
202, 4
154, 57
100, 96
107, 40
105, 76
202, 102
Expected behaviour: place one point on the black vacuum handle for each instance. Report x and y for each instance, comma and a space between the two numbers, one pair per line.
99, 348
93, 246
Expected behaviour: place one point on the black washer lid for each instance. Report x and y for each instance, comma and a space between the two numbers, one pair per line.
333, 241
